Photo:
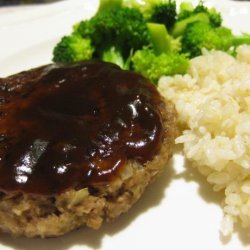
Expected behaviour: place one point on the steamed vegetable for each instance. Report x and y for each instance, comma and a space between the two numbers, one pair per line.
164, 13
153, 66
189, 14
73, 48
148, 36
188, 10
200, 35
111, 35
161, 40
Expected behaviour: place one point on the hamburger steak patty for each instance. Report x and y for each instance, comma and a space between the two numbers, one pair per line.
78, 145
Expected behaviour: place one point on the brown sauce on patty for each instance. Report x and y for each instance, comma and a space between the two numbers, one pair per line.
75, 126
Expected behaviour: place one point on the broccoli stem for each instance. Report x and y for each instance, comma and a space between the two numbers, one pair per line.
186, 6
109, 4
159, 37
161, 40
181, 25
113, 55
239, 40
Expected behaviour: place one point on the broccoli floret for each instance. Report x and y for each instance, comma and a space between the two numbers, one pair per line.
112, 34
214, 16
188, 14
187, 10
153, 67
157, 11
123, 29
164, 13
202, 35
144, 6
148, 7
180, 26
73, 48
162, 42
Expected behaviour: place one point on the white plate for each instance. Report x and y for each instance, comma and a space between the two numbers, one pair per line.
178, 211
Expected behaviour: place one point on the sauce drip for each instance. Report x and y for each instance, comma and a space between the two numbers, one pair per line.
74, 126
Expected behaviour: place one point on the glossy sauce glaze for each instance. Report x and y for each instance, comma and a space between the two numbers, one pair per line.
74, 126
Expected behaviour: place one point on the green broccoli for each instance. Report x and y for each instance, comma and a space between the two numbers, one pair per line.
188, 14
164, 13
153, 10
214, 16
73, 48
162, 57
122, 30
202, 35
180, 26
162, 42
157, 11
187, 10
153, 67
113, 55
144, 6
108, 5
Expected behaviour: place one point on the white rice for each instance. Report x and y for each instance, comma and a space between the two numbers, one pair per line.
213, 103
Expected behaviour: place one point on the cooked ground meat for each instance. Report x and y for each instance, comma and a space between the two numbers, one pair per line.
70, 158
